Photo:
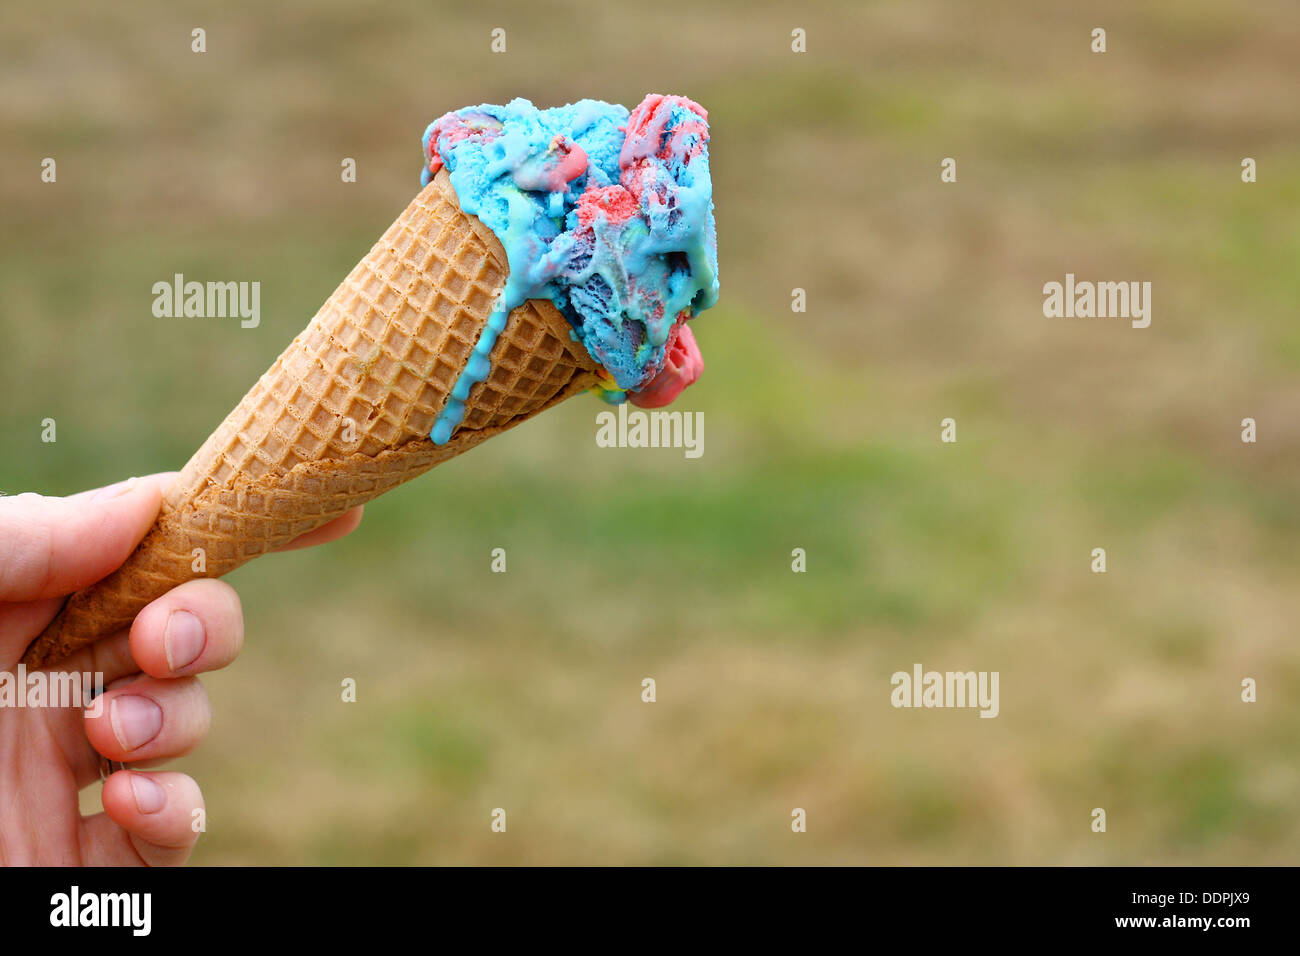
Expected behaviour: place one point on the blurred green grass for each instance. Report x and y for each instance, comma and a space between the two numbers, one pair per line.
479, 690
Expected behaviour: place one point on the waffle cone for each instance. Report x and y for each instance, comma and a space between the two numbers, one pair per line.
344, 414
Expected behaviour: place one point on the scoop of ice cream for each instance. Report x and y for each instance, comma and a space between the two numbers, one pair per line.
682, 366
608, 214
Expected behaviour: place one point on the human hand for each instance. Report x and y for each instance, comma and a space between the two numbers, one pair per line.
154, 708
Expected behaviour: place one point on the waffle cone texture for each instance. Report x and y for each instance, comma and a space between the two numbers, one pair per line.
344, 413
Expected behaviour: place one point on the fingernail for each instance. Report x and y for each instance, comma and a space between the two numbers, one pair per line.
136, 720
183, 639
113, 491
150, 797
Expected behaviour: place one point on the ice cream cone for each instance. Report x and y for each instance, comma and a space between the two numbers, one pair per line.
344, 414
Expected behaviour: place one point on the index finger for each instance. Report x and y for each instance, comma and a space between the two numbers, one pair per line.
193, 628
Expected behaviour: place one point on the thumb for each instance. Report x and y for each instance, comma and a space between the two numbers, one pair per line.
53, 546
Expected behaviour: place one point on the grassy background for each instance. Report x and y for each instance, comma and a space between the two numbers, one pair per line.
522, 690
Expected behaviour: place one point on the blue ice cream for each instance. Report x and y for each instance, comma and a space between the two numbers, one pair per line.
607, 214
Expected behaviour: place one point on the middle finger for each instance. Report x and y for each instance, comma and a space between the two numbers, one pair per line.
149, 719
